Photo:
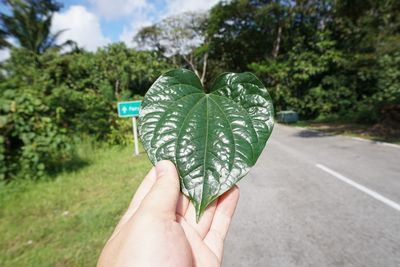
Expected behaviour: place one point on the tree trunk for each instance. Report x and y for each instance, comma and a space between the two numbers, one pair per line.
203, 74
192, 66
174, 62
277, 43
117, 89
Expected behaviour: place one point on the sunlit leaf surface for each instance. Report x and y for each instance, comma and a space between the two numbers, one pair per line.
214, 138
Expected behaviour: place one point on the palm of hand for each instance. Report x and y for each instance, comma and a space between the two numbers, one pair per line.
159, 228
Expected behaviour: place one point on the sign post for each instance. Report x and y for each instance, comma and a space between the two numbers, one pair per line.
134, 128
131, 109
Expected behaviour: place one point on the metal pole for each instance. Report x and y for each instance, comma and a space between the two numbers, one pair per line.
135, 135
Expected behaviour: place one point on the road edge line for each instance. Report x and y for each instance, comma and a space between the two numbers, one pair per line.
360, 187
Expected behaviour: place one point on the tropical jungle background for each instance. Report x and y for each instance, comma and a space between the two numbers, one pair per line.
66, 158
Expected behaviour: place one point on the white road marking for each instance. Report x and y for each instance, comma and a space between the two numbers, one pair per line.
360, 187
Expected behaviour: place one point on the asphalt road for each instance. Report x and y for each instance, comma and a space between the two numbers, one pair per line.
318, 200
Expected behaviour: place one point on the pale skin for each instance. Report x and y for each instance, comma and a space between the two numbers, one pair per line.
159, 228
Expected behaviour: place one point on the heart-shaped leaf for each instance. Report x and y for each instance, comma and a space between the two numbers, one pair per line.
214, 138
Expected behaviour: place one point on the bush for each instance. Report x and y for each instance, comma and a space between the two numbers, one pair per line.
372, 109
48, 101
121, 132
31, 140
82, 112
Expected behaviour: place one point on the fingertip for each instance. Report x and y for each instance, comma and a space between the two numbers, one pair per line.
165, 167
233, 194
228, 201
167, 174
236, 190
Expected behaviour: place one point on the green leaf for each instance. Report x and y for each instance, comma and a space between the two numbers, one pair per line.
214, 138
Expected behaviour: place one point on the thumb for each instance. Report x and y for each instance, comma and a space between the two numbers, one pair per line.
163, 196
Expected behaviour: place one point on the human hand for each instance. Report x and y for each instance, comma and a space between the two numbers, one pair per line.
159, 228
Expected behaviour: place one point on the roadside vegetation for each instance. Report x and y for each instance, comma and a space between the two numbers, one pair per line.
323, 59
64, 220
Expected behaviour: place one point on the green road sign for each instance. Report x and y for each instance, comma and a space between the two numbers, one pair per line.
128, 109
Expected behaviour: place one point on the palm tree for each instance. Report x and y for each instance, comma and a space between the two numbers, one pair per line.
29, 24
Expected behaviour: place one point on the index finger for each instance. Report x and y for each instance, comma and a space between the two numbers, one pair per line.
222, 219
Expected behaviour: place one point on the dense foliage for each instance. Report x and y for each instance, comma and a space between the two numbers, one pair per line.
320, 58
50, 100
326, 59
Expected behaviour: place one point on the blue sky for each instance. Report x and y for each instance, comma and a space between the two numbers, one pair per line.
114, 20
94, 23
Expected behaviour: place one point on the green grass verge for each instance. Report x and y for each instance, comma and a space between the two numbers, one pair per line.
65, 220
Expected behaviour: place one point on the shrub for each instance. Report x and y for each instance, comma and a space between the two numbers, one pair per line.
82, 112
31, 138
121, 132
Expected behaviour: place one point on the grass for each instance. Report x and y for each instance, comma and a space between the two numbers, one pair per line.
65, 220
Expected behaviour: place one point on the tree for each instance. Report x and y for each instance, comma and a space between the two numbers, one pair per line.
149, 38
127, 70
30, 23
179, 37
3, 40
236, 36
49, 100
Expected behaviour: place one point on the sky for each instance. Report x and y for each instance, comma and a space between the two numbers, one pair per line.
95, 23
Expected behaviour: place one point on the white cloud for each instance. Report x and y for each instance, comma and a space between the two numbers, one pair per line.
4, 54
136, 24
81, 26
179, 6
111, 9
143, 18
